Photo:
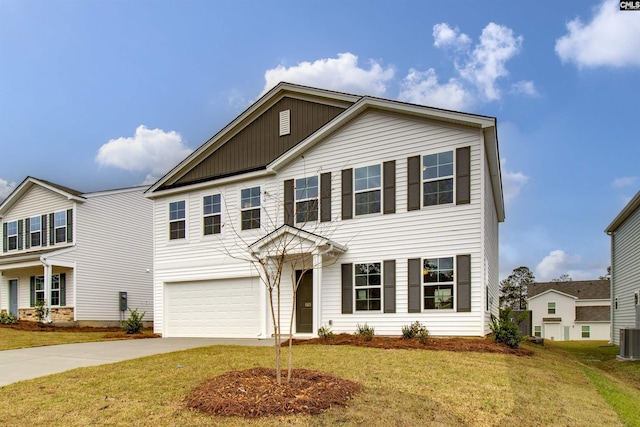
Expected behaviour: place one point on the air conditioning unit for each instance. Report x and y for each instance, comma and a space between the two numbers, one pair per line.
629, 344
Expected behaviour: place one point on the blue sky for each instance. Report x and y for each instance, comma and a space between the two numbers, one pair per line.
107, 94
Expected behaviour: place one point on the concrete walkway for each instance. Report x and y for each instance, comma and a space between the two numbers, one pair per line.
28, 363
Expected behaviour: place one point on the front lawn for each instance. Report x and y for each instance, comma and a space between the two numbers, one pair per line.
400, 387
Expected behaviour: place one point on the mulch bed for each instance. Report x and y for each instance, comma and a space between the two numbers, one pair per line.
255, 393
112, 332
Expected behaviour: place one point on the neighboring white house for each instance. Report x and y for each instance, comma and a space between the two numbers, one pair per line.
77, 252
574, 310
625, 268
392, 207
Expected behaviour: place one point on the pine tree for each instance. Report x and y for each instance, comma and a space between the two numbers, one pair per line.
513, 289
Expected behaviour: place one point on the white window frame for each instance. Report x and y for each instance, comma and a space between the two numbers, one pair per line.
302, 195
587, 331
368, 189
247, 204
57, 218
368, 287
537, 331
213, 214
39, 293
555, 307
177, 219
32, 231
39, 279
12, 237
438, 177
434, 284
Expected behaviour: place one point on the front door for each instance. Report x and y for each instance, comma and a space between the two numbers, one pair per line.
13, 297
567, 331
304, 302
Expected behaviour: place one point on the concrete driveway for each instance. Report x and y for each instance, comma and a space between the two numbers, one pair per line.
28, 363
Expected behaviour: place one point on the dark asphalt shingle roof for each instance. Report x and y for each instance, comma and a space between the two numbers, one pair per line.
582, 289
598, 313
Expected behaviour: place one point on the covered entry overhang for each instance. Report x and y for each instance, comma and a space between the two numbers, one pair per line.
42, 260
299, 250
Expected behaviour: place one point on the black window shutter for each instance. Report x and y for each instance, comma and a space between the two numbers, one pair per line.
463, 284
413, 183
347, 288
463, 176
325, 197
32, 291
390, 286
20, 234
43, 230
63, 289
389, 186
52, 234
347, 193
414, 285
289, 214
27, 232
69, 225
4, 237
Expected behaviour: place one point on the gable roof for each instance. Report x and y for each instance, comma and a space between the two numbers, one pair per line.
633, 204
287, 238
581, 289
230, 145
29, 182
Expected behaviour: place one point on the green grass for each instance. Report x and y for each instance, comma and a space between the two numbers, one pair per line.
618, 382
401, 387
11, 338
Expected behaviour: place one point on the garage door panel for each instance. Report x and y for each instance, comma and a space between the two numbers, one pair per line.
217, 308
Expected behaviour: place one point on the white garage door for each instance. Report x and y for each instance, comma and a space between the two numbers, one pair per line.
218, 308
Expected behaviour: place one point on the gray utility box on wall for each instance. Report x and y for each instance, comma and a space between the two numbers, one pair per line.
629, 344
123, 301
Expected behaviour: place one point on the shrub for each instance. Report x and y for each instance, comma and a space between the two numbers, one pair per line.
8, 319
416, 330
504, 330
325, 332
365, 332
41, 311
133, 325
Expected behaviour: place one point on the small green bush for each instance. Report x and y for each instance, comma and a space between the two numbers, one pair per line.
41, 311
504, 330
365, 332
133, 325
325, 332
416, 330
8, 319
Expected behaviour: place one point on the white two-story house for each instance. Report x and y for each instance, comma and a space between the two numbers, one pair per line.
388, 213
87, 256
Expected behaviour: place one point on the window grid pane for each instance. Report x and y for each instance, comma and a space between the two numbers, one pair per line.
307, 211
307, 199
437, 176
212, 225
250, 219
368, 287
367, 190
250, 197
438, 276
211, 205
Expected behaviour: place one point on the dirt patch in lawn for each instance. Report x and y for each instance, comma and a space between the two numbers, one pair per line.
255, 393
111, 332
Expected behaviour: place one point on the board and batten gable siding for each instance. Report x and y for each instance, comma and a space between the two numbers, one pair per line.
625, 272
113, 252
260, 142
373, 138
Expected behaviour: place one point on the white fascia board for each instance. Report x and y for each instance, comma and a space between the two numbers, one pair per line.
138, 188
630, 207
26, 185
548, 291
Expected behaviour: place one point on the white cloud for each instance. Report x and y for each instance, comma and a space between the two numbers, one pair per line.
512, 182
627, 181
6, 188
423, 88
342, 74
612, 38
149, 150
555, 264
487, 61
525, 87
445, 36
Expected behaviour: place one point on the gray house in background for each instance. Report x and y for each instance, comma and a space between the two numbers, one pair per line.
625, 268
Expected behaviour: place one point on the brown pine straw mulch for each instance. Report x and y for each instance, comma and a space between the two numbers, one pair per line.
111, 332
253, 393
